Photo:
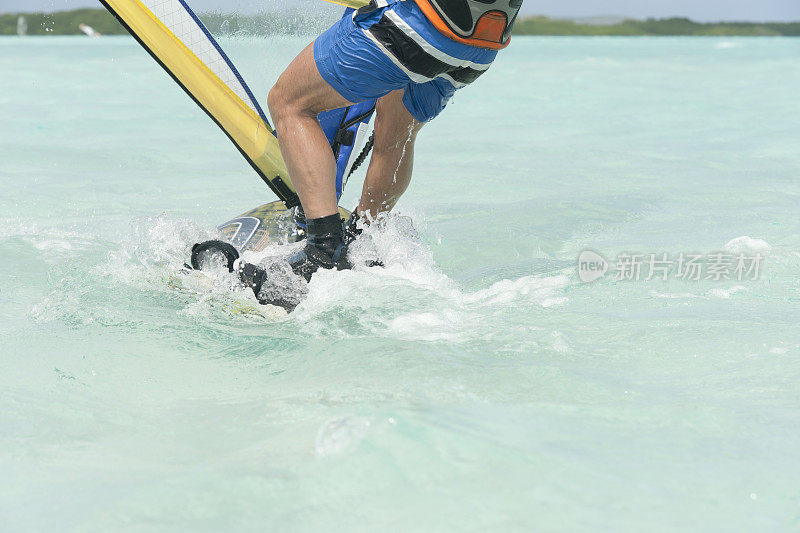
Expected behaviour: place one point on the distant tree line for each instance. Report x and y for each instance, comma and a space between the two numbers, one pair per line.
656, 27
66, 23
62, 23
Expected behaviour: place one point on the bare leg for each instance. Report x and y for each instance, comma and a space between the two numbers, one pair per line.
389, 171
295, 101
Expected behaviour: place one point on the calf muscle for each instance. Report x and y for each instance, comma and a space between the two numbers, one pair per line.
298, 97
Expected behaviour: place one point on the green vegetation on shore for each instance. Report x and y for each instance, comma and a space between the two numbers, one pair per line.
62, 23
66, 23
656, 27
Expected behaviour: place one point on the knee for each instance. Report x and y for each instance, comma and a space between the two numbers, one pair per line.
278, 102
283, 103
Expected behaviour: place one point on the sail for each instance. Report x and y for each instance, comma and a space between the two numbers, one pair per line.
22, 26
176, 38
355, 4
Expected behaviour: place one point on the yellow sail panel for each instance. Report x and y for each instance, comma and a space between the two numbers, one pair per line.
355, 4
174, 36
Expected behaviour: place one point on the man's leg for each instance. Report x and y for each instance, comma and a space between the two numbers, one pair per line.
389, 171
295, 101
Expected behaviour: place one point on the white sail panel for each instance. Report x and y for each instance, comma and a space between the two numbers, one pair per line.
184, 24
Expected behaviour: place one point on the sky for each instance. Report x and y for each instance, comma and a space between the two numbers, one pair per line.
701, 10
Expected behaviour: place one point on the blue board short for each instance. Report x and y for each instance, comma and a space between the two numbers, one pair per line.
376, 50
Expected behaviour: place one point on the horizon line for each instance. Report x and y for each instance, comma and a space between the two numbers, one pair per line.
576, 19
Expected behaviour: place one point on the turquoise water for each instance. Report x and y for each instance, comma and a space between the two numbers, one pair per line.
476, 384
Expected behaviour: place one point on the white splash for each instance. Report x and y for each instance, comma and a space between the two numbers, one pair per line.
542, 290
747, 244
672, 295
726, 293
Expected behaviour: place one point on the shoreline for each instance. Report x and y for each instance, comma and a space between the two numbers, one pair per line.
67, 23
